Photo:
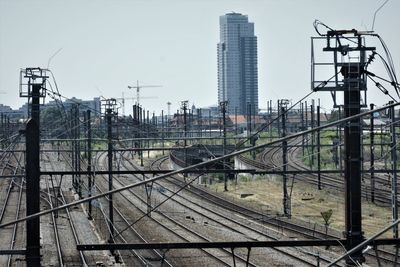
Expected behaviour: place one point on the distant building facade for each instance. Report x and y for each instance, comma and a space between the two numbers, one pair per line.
22, 113
12, 114
93, 105
237, 64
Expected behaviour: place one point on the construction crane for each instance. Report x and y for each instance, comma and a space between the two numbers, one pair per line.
138, 87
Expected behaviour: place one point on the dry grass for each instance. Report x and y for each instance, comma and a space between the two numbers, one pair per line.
307, 202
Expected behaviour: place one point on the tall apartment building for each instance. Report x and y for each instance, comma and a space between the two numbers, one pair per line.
237, 64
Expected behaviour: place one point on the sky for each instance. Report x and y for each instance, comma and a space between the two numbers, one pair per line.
108, 45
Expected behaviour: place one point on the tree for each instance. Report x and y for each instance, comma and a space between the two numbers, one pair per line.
52, 122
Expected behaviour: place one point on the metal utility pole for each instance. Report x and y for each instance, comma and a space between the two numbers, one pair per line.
270, 117
148, 132
110, 177
335, 144
177, 131
312, 108
142, 122
223, 105
32, 189
200, 122
33, 181
72, 134
248, 119
162, 130
319, 147
110, 112
167, 126
8, 130
393, 146
34, 90
286, 198
85, 132
184, 105
352, 139
253, 112
253, 139
306, 114
189, 123
302, 126
78, 151
340, 141
209, 120
3, 132
306, 123
136, 121
348, 47
278, 111
372, 156
89, 161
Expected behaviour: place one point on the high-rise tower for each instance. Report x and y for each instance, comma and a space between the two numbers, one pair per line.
237, 64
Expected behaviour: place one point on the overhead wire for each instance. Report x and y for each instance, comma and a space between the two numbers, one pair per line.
376, 12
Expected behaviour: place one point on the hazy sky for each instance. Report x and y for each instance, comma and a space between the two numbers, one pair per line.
107, 45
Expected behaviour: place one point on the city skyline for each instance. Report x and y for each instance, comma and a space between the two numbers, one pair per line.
237, 64
109, 45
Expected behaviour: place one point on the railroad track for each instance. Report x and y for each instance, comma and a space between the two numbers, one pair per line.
13, 208
71, 225
274, 161
216, 216
382, 192
122, 221
271, 159
384, 255
65, 247
100, 216
174, 231
104, 217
